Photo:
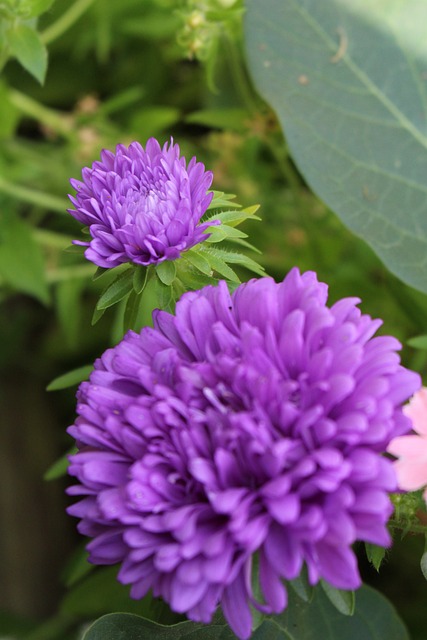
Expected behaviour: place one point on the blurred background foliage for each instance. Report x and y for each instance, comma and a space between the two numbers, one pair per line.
117, 72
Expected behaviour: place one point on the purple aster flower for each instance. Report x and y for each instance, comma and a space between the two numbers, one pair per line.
142, 206
245, 424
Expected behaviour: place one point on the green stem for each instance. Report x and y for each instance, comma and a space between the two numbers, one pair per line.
65, 21
39, 112
38, 198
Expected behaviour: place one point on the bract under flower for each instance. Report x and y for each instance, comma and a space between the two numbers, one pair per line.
142, 205
245, 424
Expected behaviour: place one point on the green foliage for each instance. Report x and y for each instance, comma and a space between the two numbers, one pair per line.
353, 121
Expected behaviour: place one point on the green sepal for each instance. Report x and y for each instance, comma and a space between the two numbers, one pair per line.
375, 554
166, 272
222, 199
343, 601
99, 272
116, 290
302, 587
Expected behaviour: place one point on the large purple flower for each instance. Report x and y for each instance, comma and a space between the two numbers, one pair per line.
245, 424
142, 206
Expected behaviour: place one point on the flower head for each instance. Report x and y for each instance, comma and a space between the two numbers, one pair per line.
142, 206
411, 450
244, 424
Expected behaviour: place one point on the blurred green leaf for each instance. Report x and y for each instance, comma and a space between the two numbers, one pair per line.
70, 379
26, 46
152, 121
418, 342
34, 8
346, 78
21, 259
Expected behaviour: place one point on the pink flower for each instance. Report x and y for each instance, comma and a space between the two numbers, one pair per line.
411, 450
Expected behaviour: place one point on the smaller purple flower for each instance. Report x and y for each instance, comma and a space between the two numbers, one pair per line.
142, 206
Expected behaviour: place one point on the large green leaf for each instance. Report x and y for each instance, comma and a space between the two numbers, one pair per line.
348, 81
374, 619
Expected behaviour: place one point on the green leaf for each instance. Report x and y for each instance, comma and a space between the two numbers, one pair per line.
59, 468
140, 278
70, 379
26, 46
198, 261
346, 79
162, 295
217, 264
374, 618
21, 259
375, 554
100, 270
131, 311
343, 601
116, 290
166, 272
234, 218
235, 258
